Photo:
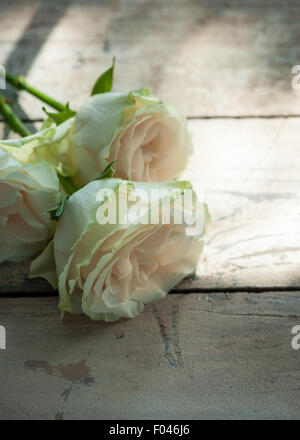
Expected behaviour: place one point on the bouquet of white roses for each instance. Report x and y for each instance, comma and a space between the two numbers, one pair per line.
91, 196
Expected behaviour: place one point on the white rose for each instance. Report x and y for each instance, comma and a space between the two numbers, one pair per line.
27, 191
108, 271
148, 139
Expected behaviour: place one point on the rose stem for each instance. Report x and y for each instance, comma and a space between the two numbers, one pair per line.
20, 84
12, 119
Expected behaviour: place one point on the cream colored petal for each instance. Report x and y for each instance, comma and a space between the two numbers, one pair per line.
9, 195
44, 266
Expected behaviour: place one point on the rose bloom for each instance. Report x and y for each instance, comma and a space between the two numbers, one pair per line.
27, 191
108, 271
147, 138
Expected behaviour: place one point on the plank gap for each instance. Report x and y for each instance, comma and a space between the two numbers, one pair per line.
193, 290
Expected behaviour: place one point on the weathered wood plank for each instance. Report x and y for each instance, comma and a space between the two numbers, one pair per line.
250, 173
208, 57
187, 357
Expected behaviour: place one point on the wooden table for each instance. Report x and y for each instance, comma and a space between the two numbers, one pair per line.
219, 346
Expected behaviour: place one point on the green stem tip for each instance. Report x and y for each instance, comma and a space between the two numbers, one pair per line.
12, 119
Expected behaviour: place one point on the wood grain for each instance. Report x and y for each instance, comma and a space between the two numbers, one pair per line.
208, 57
248, 172
189, 357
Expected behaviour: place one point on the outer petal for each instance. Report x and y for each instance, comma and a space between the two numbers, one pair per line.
44, 266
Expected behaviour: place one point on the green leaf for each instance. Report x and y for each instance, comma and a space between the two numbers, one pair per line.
105, 81
62, 116
58, 210
107, 172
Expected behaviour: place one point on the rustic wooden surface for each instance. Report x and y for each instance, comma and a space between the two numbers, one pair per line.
197, 356
214, 348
